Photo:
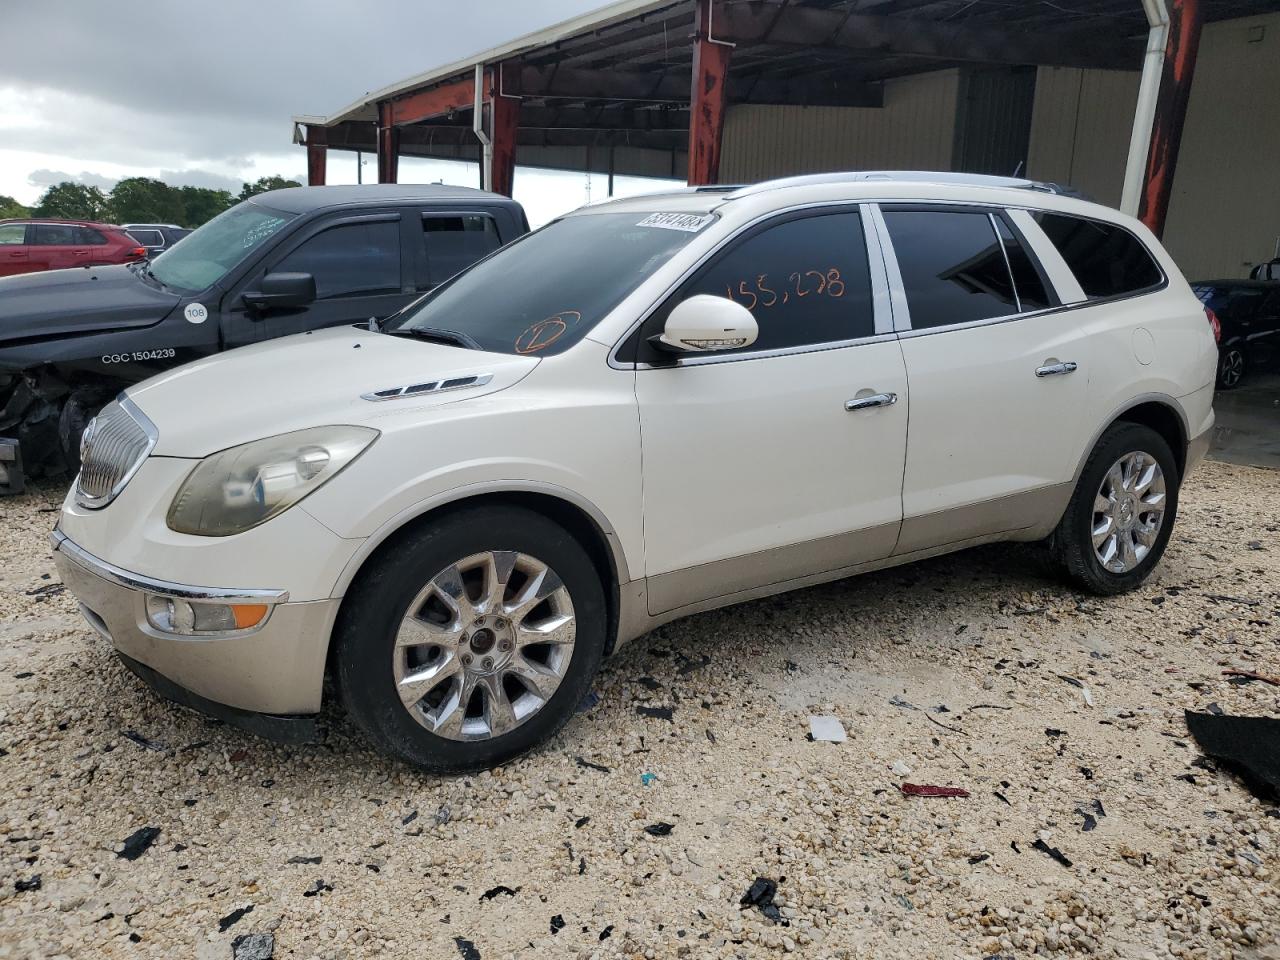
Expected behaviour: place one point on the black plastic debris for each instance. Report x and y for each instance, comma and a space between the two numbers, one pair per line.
687, 666
24, 675
138, 842
659, 829
408, 818
253, 946
973, 861
142, 741
658, 713
588, 765
1248, 746
606, 933
1086, 772
648, 683
304, 860
1053, 732
760, 894
1216, 709
1052, 852
466, 949
1001, 797
1090, 821
498, 891
31, 883
317, 888
234, 917
581, 822
557, 924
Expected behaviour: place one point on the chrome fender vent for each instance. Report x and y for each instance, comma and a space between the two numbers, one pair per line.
428, 387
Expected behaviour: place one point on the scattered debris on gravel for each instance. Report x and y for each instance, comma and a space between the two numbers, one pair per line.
693, 811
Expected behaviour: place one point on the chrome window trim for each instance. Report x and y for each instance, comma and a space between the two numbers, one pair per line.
694, 360
1004, 252
164, 588
153, 437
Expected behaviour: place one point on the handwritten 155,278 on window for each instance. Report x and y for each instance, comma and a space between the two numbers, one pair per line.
800, 284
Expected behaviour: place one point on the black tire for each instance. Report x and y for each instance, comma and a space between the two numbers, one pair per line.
1231, 367
80, 407
377, 603
1073, 540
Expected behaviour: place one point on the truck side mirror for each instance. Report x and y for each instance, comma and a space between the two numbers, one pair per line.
282, 290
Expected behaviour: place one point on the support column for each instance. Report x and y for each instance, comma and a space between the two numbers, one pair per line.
504, 115
317, 153
707, 99
1185, 20
388, 145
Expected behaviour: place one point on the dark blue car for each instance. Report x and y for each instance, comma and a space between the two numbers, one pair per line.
1249, 314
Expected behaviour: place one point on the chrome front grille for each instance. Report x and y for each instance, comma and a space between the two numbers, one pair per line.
114, 445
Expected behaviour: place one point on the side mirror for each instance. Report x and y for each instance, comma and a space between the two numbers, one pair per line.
283, 290
704, 322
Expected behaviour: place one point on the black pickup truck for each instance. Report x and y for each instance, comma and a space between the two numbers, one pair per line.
279, 263
1248, 312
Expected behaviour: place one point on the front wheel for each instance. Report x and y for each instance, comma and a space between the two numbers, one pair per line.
471, 639
1121, 515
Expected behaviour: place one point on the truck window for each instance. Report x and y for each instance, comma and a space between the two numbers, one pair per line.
350, 259
456, 241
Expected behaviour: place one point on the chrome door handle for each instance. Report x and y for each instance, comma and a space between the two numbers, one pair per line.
866, 403
1056, 369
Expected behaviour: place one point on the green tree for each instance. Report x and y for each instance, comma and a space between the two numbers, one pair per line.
263, 184
200, 204
144, 200
72, 201
10, 207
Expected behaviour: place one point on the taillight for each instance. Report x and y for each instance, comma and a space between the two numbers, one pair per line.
1215, 324
142, 252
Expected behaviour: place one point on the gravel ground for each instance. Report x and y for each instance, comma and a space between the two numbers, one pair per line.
340, 854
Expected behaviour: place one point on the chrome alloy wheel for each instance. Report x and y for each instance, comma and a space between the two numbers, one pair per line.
1128, 512
484, 645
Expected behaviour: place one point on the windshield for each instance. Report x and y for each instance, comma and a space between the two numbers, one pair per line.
207, 255
543, 293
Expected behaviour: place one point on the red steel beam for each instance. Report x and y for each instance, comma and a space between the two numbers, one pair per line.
1185, 20
438, 101
317, 153
388, 145
706, 111
505, 116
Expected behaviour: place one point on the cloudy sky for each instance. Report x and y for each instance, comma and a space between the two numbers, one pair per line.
201, 93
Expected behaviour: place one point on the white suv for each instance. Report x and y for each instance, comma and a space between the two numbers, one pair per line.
646, 409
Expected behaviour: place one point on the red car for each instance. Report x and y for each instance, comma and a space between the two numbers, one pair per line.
27, 246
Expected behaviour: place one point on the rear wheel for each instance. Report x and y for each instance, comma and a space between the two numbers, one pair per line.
471, 640
1121, 515
1230, 367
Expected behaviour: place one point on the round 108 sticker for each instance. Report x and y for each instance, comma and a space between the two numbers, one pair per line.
196, 313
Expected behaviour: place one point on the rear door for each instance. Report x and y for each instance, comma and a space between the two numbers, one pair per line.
999, 378
443, 242
358, 269
55, 246
14, 256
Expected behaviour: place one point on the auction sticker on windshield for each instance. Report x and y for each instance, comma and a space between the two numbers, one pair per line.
688, 222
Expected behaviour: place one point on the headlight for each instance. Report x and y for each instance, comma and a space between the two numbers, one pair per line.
244, 486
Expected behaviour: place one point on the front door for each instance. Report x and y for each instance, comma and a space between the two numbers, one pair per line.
756, 470
358, 270
13, 249
999, 391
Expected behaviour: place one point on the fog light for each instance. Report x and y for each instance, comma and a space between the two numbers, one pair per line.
172, 615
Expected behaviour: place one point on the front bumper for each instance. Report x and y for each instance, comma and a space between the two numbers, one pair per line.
277, 668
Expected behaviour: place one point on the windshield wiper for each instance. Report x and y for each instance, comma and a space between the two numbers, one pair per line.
436, 335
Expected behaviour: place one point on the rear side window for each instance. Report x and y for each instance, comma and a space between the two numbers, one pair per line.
1106, 259
87, 236
352, 259
806, 281
55, 234
456, 242
12, 233
953, 267
148, 238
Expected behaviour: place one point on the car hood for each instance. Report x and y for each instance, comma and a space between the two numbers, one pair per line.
79, 300
309, 380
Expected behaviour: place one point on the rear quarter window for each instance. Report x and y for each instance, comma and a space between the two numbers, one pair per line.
1107, 260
